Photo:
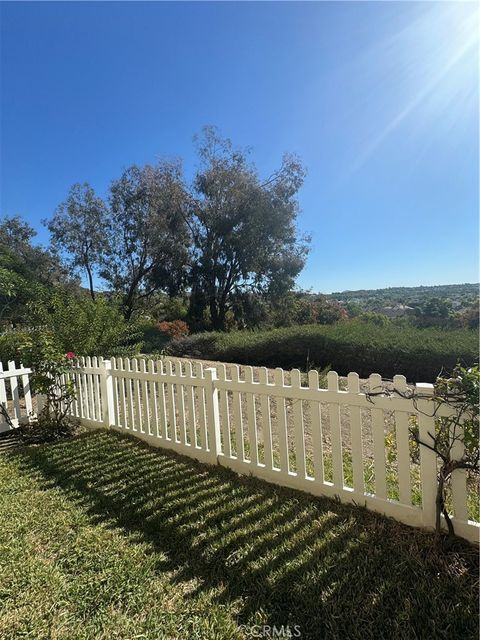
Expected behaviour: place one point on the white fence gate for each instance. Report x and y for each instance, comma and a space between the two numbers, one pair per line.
276, 425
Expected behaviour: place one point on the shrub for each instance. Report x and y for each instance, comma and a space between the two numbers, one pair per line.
174, 329
87, 327
419, 354
10, 343
50, 364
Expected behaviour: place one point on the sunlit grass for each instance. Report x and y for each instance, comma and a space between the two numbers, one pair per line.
103, 537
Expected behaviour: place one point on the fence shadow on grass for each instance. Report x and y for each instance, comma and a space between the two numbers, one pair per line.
286, 558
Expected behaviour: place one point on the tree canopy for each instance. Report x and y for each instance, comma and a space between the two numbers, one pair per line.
243, 229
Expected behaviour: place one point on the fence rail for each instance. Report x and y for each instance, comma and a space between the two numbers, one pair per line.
281, 426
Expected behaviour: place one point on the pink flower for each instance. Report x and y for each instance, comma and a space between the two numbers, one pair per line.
70, 355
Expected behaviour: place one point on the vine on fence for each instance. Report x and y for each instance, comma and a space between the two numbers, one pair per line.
455, 440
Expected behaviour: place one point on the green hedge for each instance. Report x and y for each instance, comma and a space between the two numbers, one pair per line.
419, 354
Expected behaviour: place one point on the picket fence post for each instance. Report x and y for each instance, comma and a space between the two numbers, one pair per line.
428, 458
106, 390
212, 414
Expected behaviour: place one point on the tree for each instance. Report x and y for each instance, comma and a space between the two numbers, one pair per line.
25, 270
460, 392
31, 261
84, 326
243, 228
79, 229
148, 233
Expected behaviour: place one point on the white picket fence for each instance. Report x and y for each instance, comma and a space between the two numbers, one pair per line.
15, 396
325, 441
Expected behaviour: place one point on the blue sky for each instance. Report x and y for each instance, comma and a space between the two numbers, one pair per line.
380, 99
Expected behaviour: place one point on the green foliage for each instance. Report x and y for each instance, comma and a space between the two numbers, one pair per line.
79, 229
33, 262
461, 391
10, 343
374, 318
419, 354
243, 228
50, 365
148, 236
87, 327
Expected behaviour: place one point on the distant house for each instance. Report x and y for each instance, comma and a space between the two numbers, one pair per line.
397, 311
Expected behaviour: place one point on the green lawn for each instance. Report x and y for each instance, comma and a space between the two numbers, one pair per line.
105, 538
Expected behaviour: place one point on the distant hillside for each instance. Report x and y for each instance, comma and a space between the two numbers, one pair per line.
451, 291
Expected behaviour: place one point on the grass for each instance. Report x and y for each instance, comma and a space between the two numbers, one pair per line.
105, 538
354, 345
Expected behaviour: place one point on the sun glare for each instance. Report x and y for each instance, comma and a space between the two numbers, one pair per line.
434, 60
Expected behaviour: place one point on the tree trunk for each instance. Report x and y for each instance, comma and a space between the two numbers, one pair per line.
217, 313
90, 281
440, 505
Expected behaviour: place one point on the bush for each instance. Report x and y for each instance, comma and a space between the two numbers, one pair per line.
174, 329
87, 327
354, 345
49, 378
10, 343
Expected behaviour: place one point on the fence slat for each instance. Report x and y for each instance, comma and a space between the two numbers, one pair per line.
172, 417
85, 397
101, 404
192, 420
153, 400
162, 407
212, 413
251, 418
336, 433
181, 403
145, 399
115, 399
130, 405
14, 389
282, 423
428, 458
224, 416
3, 393
459, 476
122, 391
356, 436
299, 434
27, 394
378, 431
266, 419
202, 417
237, 416
137, 398
89, 382
316, 420
403, 449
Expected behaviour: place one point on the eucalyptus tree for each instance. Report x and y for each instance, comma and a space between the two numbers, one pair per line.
148, 235
79, 229
243, 228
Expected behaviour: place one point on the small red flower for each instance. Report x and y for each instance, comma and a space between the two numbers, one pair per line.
70, 355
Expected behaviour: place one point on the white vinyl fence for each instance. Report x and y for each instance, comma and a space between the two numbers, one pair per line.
279, 426
15, 396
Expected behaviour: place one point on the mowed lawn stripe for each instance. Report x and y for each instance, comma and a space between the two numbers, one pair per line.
104, 537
